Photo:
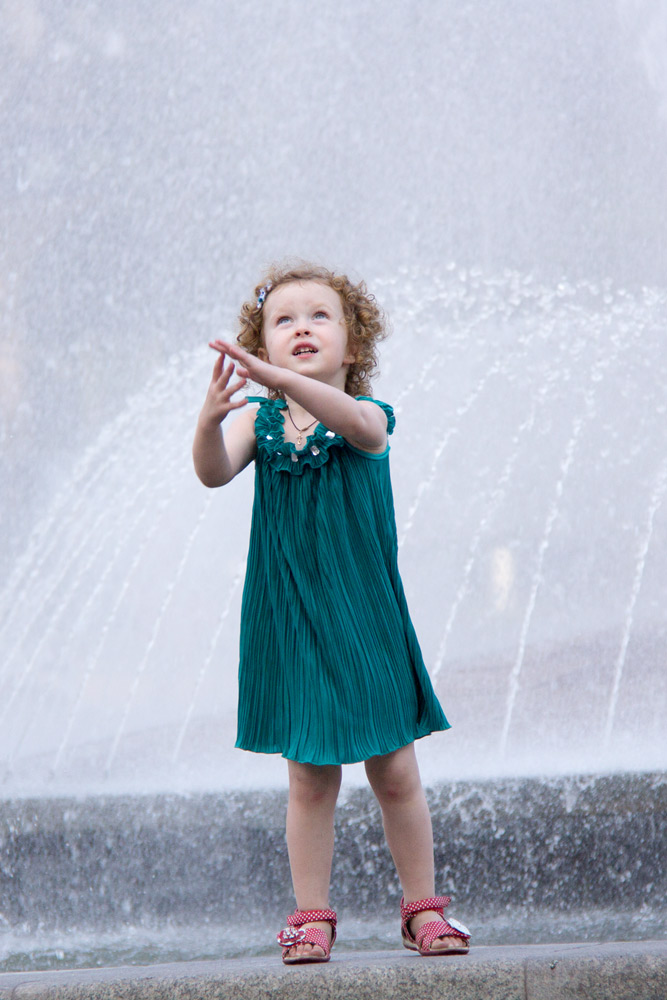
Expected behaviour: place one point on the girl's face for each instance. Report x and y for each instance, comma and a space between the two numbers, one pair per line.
304, 330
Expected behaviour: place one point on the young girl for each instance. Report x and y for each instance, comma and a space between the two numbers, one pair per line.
331, 671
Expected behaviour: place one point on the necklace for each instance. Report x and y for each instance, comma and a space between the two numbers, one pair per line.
300, 430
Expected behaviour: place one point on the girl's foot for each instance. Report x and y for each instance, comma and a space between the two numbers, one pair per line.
306, 948
308, 936
424, 928
440, 943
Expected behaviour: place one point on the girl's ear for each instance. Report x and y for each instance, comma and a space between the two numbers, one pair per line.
263, 355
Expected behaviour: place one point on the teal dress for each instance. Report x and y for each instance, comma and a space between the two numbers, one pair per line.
330, 670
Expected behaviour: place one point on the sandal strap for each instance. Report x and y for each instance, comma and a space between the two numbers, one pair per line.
437, 903
300, 917
313, 935
434, 929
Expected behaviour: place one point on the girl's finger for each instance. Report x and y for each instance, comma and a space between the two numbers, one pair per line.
217, 367
223, 345
224, 375
233, 350
231, 389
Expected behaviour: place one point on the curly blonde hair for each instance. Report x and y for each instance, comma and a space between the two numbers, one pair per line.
364, 319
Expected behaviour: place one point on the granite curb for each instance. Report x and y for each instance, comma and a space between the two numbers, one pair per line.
609, 971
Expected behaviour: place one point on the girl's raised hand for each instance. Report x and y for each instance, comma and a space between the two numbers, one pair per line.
218, 400
249, 366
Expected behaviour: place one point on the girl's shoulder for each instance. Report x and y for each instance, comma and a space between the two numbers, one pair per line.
386, 407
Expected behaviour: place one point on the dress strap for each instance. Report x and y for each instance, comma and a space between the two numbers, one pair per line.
265, 399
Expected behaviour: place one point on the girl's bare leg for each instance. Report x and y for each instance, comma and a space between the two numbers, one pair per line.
313, 791
395, 781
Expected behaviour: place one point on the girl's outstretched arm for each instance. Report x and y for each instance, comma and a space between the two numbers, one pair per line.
360, 422
219, 458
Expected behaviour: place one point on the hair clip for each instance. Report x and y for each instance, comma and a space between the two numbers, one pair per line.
263, 292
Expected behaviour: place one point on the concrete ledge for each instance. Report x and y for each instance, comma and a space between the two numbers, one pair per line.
611, 971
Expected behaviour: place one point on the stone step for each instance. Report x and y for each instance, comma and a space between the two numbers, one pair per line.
611, 971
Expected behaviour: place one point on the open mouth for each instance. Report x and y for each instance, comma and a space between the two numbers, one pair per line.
304, 350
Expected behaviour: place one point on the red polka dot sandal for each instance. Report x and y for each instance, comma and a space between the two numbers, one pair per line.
426, 935
296, 933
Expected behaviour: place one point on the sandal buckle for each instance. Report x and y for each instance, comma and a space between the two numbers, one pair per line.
289, 936
458, 926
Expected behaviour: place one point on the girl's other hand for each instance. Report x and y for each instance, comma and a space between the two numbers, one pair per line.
249, 366
218, 402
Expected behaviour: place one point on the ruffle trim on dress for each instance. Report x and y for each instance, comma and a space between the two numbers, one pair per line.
282, 455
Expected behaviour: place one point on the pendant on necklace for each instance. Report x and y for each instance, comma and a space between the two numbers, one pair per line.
298, 441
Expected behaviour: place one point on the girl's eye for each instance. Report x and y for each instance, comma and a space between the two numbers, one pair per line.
282, 319
322, 313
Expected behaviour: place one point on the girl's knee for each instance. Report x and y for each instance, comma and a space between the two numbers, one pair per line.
395, 777
311, 785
